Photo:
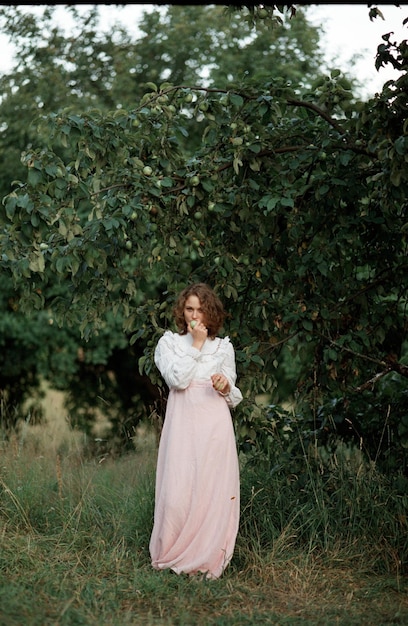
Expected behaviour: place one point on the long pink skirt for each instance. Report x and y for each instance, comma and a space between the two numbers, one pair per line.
197, 503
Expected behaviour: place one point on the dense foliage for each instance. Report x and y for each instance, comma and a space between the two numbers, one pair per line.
55, 70
292, 205
88, 66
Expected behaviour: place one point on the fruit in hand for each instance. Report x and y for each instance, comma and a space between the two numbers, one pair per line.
192, 324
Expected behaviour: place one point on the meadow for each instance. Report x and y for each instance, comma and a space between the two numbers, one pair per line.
74, 531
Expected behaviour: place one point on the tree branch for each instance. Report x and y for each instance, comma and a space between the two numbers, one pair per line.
319, 111
373, 380
365, 357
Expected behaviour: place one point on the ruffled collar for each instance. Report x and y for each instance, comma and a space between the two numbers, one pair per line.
211, 346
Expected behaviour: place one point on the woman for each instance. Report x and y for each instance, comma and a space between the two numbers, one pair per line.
197, 480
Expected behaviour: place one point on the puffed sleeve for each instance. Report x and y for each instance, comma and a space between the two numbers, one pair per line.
177, 366
228, 368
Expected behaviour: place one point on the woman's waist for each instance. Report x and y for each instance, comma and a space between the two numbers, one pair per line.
201, 382
197, 382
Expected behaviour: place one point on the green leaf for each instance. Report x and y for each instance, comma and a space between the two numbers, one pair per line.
167, 182
37, 262
236, 100
307, 325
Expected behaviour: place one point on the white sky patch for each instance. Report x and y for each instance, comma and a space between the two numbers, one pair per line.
350, 36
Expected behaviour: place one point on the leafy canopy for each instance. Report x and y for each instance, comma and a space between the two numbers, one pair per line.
292, 204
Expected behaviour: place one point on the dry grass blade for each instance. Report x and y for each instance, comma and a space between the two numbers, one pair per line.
17, 504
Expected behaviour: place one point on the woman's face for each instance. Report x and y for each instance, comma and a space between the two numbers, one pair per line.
193, 311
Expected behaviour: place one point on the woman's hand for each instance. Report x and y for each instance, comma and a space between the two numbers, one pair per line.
199, 333
220, 383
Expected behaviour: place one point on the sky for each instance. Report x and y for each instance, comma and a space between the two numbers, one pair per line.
349, 36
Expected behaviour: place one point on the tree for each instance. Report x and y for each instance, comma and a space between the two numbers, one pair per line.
293, 207
89, 70
92, 69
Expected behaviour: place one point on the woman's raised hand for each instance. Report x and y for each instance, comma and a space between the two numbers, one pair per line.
199, 332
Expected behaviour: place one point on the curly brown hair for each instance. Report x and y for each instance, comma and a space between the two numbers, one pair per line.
210, 303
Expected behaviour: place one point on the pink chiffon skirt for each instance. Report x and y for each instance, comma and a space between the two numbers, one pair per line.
197, 503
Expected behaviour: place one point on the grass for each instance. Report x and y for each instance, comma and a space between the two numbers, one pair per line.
74, 536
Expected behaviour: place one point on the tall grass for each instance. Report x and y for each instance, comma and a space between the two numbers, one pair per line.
340, 511
326, 545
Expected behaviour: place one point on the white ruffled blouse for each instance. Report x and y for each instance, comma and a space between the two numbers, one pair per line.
179, 363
